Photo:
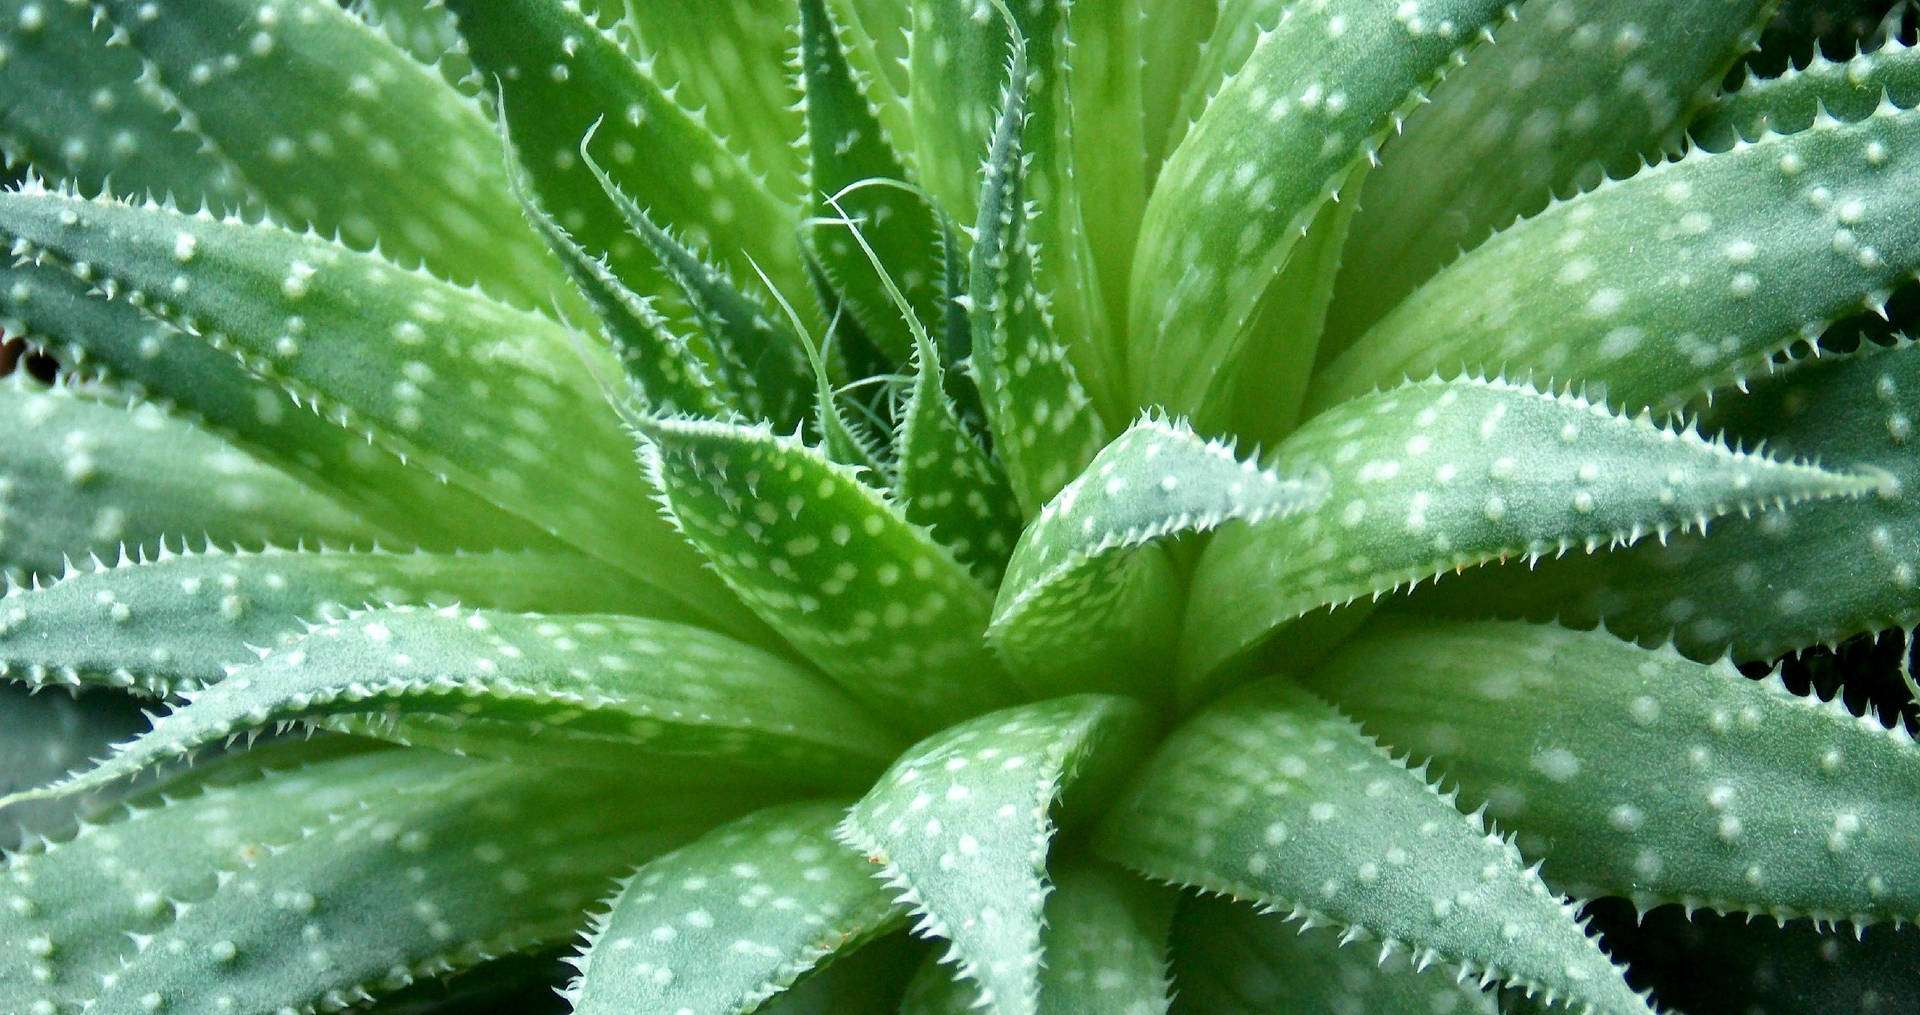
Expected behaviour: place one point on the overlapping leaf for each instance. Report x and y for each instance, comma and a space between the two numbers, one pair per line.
1849, 89
320, 886
961, 825
177, 619
81, 476
1271, 147
298, 311
1569, 90
1445, 475
1686, 277
587, 691
1089, 601
1637, 772
730, 921
832, 565
1274, 797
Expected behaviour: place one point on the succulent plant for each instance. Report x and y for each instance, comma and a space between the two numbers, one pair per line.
736, 484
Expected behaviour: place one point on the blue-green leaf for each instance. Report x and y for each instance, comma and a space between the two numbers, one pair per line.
961, 824
1850, 89
723, 924
1637, 772
1273, 796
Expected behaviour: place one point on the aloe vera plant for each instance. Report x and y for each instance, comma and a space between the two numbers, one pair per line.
1213, 507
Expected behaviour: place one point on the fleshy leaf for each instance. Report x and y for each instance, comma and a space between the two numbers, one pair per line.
1778, 583
725, 923
298, 311
948, 483
1108, 46
117, 342
42, 736
1272, 146
1688, 276
1850, 89
385, 152
1640, 773
826, 560
1181, 34
1441, 476
961, 825
1235, 960
176, 620
1273, 796
1045, 428
1088, 602
847, 145
587, 691
1567, 91
874, 36
756, 357
80, 476
1105, 942
298, 890
560, 73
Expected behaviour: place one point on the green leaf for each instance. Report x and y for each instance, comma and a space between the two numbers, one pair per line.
42, 736
559, 73
874, 34
832, 565
847, 145
1686, 277
1273, 796
867, 982
1639, 773
385, 152
1181, 31
757, 359
297, 311
596, 691
948, 483
117, 342
725, 923
1045, 427
1235, 960
1778, 583
960, 826
1849, 89
319, 886
1442, 476
1569, 90
733, 62
425, 30
1107, 47
1089, 602
80, 476
1272, 146
177, 619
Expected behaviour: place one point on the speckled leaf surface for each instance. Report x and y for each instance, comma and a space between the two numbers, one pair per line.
587, 691
875, 34
832, 565
1777, 583
296, 890
292, 308
1445, 475
80, 476
960, 827
1235, 960
1568, 90
176, 619
723, 924
1849, 89
1246, 181
1045, 427
1275, 797
559, 72
1686, 277
948, 483
387, 152
1087, 603
42, 737
1643, 774
121, 344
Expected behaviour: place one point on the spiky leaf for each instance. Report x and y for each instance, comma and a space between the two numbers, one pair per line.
833, 566
1686, 277
588, 691
1432, 477
725, 923
1641, 773
1273, 796
1850, 89
948, 482
961, 825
